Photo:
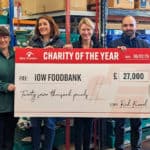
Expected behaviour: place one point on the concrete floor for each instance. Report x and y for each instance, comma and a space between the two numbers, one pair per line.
145, 146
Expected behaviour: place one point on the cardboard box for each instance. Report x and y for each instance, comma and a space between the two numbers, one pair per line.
34, 6
142, 4
4, 4
57, 5
89, 2
39, 6
80, 5
126, 4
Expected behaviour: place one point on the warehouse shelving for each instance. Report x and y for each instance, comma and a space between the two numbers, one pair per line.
23, 22
133, 12
60, 17
11, 16
111, 11
116, 26
67, 15
114, 18
62, 14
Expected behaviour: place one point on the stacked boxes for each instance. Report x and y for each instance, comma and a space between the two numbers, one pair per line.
123, 4
142, 4
126, 4
89, 2
129, 4
39, 6
4, 4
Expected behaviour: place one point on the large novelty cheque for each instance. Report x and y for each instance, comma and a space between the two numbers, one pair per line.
82, 82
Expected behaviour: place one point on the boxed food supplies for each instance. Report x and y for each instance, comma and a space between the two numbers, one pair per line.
142, 4
125, 4
39, 6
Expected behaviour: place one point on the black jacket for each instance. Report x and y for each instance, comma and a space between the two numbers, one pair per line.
78, 44
36, 41
129, 43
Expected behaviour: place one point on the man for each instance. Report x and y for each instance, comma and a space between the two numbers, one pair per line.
129, 39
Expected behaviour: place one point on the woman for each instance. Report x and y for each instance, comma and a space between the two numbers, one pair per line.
7, 87
46, 36
83, 126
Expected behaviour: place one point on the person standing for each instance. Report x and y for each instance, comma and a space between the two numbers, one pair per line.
83, 126
7, 88
129, 39
46, 36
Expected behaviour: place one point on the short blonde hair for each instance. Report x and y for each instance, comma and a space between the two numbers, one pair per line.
86, 21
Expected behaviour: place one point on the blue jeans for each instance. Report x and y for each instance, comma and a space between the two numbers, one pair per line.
49, 132
136, 134
82, 131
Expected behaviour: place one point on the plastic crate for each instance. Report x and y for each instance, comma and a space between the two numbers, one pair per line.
111, 126
146, 133
60, 136
111, 139
73, 37
22, 37
18, 143
3, 19
19, 146
145, 123
110, 142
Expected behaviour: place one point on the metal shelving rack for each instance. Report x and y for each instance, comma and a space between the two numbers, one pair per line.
62, 14
11, 16
113, 16
124, 12
67, 14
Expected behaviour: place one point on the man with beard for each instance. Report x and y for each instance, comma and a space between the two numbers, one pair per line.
129, 39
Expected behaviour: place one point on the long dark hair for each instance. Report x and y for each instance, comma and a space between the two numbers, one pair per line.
52, 23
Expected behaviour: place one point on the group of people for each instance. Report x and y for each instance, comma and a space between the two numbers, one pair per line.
47, 36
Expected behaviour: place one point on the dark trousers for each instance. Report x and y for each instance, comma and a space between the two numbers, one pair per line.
136, 134
83, 131
7, 130
49, 133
